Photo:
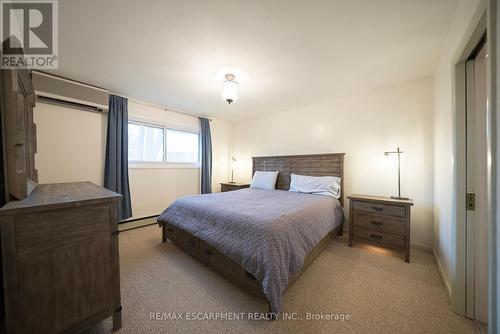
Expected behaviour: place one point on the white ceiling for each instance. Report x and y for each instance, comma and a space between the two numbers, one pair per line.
293, 53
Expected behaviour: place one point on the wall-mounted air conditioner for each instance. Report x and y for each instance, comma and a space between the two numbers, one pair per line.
56, 89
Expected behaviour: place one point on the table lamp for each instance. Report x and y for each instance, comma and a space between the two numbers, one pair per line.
398, 152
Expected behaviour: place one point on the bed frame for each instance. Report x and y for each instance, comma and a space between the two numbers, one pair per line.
331, 164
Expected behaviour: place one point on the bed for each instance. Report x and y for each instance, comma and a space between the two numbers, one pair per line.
261, 240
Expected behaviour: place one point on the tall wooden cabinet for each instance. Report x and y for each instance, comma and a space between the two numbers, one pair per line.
60, 259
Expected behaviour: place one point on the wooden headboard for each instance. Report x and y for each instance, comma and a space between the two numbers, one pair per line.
329, 164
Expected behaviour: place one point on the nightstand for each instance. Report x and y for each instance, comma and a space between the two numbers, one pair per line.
228, 186
381, 221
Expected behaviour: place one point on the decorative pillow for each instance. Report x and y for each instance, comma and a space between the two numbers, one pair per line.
264, 180
317, 185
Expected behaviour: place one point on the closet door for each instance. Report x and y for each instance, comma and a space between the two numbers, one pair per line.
477, 180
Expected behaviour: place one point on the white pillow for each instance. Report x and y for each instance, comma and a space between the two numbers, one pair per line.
317, 185
264, 180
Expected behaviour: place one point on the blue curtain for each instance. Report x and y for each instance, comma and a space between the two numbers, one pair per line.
206, 156
116, 166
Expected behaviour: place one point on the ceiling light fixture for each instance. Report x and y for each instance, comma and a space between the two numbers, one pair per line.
230, 88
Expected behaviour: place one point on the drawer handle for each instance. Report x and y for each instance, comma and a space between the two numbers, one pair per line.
376, 208
376, 236
376, 223
208, 252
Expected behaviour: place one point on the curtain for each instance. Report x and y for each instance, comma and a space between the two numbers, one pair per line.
206, 156
116, 166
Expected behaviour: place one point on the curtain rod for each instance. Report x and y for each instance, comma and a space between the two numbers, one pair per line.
159, 106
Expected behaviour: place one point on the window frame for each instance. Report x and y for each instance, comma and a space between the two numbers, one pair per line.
135, 164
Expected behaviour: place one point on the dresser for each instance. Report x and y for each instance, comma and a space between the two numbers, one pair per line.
381, 221
60, 259
228, 186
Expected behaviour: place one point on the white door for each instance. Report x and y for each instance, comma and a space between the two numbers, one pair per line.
477, 223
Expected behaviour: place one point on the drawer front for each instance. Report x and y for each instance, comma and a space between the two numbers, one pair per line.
53, 230
378, 223
60, 289
226, 187
230, 187
216, 260
229, 269
381, 209
381, 238
184, 240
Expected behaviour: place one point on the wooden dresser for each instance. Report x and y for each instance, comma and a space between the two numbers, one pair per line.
233, 186
382, 221
60, 259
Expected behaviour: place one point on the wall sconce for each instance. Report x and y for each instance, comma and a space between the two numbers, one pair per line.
398, 152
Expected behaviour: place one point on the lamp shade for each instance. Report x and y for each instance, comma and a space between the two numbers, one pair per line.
230, 91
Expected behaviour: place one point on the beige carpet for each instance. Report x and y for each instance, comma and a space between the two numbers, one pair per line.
380, 292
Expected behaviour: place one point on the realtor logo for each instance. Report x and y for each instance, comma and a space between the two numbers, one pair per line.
29, 34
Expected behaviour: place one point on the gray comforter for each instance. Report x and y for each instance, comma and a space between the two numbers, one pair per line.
268, 232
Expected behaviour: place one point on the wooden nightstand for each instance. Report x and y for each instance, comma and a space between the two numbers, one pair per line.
382, 221
227, 186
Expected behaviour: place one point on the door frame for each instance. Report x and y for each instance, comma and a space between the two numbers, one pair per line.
494, 98
459, 229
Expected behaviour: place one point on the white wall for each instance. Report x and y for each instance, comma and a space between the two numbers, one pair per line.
466, 15
69, 144
72, 144
152, 189
222, 133
362, 125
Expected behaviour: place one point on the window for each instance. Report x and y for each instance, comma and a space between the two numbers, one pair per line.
159, 144
182, 146
145, 143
